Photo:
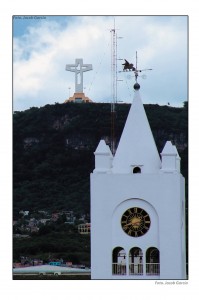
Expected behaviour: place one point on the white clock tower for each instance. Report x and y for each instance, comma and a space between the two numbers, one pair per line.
137, 206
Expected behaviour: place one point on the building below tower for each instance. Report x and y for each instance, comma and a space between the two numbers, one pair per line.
78, 98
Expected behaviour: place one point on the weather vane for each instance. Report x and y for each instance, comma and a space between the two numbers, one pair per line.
130, 67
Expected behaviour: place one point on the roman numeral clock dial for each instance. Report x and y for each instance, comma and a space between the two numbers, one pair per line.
135, 221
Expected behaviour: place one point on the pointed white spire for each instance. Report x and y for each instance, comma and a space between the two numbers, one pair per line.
170, 158
137, 147
169, 149
103, 158
103, 148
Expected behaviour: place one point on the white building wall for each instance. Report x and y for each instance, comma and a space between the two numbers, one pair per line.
160, 195
101, 258
170, 212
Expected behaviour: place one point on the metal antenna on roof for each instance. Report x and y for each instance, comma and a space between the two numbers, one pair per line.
114, 84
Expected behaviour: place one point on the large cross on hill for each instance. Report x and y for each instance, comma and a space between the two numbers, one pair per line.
79, 68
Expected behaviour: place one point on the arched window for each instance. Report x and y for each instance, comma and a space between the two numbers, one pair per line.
152, 261
136, 170
119, 261
135, 261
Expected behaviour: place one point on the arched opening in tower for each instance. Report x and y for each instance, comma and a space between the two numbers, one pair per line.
135, 261
136, 170
119, 261
152, 261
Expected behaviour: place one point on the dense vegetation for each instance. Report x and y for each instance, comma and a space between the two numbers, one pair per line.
55, 241
53, 157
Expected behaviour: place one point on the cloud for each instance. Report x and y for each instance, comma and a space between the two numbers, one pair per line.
40, 56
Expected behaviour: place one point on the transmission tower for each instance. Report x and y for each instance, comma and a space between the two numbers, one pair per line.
113, 84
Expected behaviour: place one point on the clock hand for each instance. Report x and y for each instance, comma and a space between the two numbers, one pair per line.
137, 223
127, 224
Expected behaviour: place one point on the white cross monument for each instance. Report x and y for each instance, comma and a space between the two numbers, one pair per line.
79, 68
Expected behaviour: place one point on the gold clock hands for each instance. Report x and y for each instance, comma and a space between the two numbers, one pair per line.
128, 224
134, 224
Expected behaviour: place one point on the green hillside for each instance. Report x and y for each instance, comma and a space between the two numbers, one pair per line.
52, 160
53, 150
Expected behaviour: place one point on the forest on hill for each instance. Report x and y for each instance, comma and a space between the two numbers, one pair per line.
53, 153
53, 149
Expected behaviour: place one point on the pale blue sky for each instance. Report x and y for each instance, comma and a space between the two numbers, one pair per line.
43, 45
21, 23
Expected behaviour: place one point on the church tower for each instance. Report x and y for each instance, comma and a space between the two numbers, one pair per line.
137, 206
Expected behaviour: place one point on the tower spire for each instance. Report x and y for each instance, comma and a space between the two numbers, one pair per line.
137, 147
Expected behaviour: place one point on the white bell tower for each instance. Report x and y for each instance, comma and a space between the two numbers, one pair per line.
137, 206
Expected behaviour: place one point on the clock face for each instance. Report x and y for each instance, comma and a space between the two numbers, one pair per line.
135, 221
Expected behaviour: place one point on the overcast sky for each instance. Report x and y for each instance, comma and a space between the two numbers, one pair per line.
43, 45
